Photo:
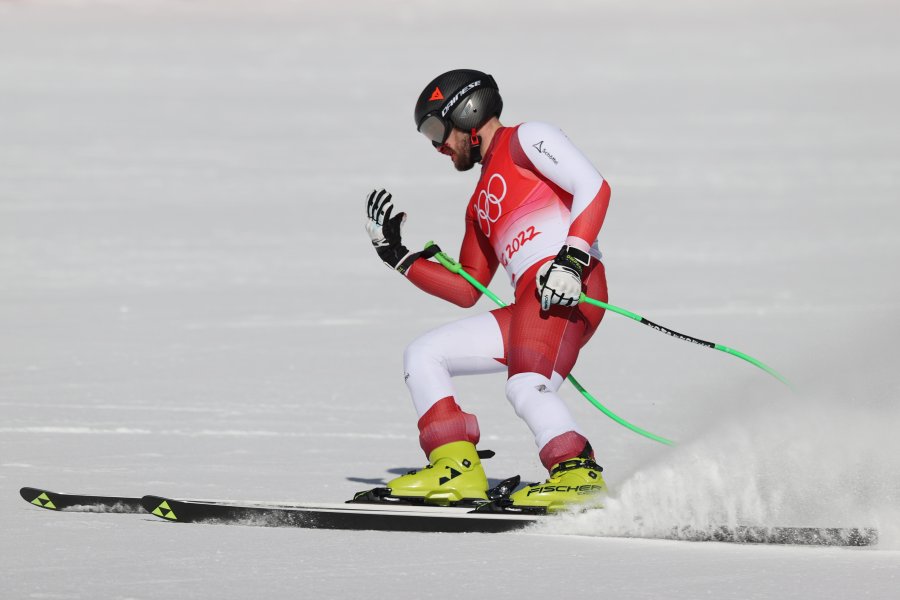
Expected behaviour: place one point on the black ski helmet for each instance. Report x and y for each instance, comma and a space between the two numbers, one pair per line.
461, 98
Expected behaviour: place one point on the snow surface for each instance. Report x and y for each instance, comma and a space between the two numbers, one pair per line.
189, 305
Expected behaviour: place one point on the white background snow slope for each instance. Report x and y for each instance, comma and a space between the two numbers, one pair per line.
189, 304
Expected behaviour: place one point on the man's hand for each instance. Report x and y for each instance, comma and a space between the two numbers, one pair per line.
559, 280
384, 229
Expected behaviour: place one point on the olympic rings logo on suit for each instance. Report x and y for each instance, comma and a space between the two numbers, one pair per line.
489, 207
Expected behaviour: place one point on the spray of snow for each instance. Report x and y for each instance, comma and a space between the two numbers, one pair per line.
810, 463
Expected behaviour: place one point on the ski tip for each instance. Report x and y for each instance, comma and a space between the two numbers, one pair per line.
825, 536
803, 536
818, 536
160, 506
25, 492
39, 497
867, 536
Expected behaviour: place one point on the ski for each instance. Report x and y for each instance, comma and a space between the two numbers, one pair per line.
376, 517
387, 514
437, 519
80, 502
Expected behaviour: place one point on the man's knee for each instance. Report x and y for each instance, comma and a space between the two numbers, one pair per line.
523, 388
421, 351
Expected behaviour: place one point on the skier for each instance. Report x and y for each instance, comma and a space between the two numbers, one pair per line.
537, 210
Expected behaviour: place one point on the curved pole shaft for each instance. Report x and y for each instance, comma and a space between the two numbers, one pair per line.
688, 338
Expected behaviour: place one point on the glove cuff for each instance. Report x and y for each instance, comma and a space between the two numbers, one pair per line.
406, 262
573, 258
401, 259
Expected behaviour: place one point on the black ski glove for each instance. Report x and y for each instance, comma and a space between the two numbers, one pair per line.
384, 229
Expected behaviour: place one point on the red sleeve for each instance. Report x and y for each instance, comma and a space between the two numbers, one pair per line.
475, 256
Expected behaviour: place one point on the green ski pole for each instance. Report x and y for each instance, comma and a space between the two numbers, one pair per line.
454, 267
688, 338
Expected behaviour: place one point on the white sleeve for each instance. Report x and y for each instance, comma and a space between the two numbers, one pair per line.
557, 159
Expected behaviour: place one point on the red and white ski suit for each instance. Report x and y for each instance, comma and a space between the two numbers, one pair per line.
537, 192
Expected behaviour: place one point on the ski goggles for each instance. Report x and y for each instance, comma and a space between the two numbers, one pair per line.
436, 129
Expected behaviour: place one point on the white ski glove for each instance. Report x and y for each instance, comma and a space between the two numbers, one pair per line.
559, 280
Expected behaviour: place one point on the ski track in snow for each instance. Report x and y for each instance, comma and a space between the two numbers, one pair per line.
189, 304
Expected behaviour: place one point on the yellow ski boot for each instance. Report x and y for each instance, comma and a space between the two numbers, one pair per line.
454, 474
572, 483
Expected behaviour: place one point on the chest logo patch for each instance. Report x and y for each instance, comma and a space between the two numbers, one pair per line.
489, 205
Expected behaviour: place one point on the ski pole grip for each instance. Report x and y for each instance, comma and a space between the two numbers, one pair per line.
450, 264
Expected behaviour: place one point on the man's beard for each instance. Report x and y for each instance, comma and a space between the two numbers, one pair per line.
463, 160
